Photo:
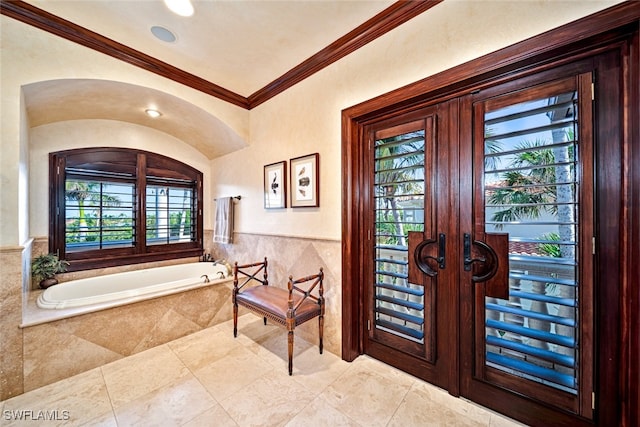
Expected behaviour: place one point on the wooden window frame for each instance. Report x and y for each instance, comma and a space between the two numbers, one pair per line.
139, 165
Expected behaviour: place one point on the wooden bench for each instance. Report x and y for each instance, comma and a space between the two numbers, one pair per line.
288, 308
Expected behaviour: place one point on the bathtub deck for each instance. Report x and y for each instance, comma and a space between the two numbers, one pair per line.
33, 315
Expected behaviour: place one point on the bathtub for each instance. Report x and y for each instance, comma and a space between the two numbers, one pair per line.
132, 286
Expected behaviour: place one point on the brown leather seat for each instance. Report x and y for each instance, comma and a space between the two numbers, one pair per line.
274, 302
288, 308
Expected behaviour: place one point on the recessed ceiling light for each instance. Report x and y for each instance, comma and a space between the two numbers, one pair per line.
163, 34
180, 7
153, 113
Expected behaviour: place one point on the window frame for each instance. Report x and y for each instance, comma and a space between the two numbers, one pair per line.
141, 166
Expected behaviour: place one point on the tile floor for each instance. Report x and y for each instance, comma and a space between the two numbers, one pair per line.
210, 379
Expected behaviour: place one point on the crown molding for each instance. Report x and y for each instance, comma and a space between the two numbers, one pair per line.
53, 24
383, 22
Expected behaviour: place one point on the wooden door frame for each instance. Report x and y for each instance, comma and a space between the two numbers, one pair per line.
613, 28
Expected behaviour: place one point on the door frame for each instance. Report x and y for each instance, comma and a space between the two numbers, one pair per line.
616, 28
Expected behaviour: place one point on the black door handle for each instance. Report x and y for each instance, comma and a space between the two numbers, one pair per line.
468, 261
442, 246
421, 259
493, 270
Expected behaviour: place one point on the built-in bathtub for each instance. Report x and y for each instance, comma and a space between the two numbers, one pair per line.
139, 310
132, 286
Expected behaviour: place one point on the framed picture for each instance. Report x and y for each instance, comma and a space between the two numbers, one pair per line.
275, 185
305, 186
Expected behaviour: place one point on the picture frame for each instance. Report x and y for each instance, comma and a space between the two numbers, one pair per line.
275, 185
304, 179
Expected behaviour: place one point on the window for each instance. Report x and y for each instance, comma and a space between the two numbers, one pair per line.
114, 206
169, 214
99, 213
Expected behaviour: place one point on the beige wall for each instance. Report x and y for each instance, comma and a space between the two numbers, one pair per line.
307, 118
304, 119
30, 55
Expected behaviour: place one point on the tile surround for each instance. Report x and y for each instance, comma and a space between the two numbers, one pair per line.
59, 349
13, 264
38, 355
297, 257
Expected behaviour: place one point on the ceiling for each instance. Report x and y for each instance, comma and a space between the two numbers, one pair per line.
240, 48
240, 45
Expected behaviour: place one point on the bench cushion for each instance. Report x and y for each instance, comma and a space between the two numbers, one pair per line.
272, 302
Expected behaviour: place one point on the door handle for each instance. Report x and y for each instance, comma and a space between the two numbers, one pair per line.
492, 265
442, 246
420, 255
468, 261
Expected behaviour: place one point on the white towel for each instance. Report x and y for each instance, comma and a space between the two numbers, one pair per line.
223, 225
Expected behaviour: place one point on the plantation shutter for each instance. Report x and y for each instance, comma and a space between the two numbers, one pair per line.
531, 190
399, 178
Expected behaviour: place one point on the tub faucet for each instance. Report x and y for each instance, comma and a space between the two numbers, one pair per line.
221, 273
206, 278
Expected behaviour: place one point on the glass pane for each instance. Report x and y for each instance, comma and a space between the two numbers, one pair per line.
170, 215
531, 192
399, 200
98, 215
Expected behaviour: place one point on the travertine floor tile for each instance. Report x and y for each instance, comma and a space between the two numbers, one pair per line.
68, 402
317, 371
232, 373
106, 420
204, 347
171, 405
211, 379
251, 329
273, 348
320, 414
440, 408
500, 421
368, 394
130, 378
418, 409
214, 417
271, 400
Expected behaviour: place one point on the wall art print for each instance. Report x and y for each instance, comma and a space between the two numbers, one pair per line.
275, 185
305, 184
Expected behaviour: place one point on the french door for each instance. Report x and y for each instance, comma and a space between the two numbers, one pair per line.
481, 235
407, 323
527, 225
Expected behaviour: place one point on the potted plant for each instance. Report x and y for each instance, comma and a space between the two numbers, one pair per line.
45, 268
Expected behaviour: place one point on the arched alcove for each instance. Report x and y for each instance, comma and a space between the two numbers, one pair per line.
76, 99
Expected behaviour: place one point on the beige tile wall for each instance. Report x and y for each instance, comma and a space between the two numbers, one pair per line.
45, 353
12, 261
66, 347
298, 257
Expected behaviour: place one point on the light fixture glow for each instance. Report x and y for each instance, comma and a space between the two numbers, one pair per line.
153, 113
180, 7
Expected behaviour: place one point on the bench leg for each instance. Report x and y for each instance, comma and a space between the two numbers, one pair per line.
290, 345
235, 320
321, 330
265, 321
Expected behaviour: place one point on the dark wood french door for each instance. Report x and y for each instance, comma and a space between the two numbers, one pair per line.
478, 272
408, 320
528, 244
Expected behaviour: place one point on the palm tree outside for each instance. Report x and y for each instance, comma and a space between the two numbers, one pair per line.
399, 194
89, 201
535, 189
